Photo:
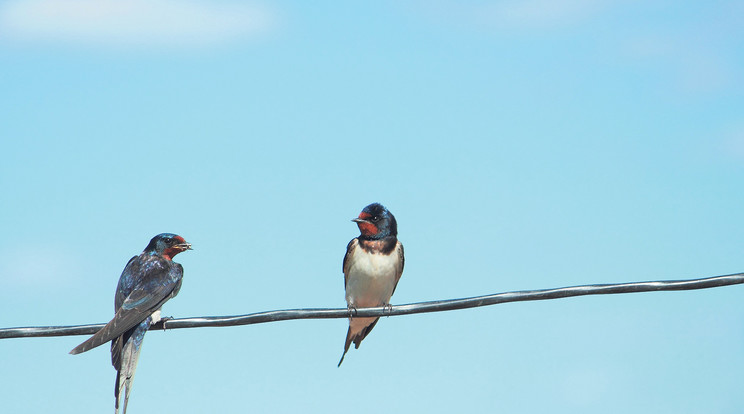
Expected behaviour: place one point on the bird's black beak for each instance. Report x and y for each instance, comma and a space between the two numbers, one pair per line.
358, 220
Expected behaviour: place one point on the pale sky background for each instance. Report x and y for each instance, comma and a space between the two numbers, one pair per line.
521, 144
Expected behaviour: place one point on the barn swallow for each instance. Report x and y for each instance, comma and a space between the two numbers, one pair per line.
147, 282
372, 268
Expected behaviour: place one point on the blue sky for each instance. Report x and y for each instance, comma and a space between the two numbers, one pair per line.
521, 144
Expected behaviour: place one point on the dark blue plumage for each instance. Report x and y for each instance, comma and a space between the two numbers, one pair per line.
147, 282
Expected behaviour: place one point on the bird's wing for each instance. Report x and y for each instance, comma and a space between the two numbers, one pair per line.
133, 266
137, 306
353, 244
401, 263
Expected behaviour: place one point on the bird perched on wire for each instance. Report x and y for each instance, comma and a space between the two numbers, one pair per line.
372, 268
147, 282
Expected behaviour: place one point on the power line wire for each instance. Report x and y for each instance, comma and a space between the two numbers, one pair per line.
407, 309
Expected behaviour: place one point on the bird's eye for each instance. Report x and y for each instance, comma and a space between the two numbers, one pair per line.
375, 218
167, 240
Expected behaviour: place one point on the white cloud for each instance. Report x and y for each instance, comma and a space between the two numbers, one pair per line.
132, 23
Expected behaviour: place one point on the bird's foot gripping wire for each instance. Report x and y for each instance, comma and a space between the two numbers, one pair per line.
161, 322
352, 310
165, 319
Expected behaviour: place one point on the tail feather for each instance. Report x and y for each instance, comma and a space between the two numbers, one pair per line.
346, 346
125, 375
359, 328
125, 362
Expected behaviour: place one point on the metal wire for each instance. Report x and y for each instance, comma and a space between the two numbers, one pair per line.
421, 307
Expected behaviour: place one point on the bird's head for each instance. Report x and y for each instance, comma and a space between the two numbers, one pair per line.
376, 222
167, 245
